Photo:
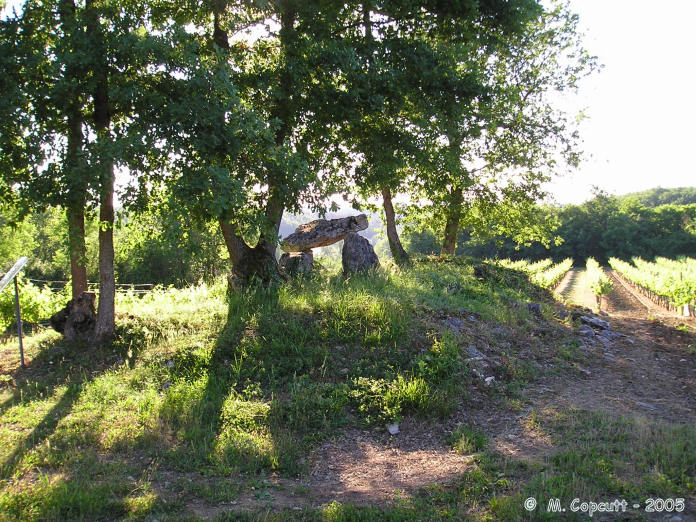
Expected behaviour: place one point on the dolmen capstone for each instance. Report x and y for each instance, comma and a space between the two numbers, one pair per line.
297, 247
322, 232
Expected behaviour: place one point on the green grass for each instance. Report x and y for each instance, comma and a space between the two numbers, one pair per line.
204, 393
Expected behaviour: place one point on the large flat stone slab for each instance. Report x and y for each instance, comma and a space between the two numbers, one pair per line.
322, 232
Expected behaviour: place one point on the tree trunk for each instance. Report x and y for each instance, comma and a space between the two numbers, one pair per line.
105, 328
74, 175
78, 251
106, 324
397, 250
248, 262
282, 111
454, 211
274, 215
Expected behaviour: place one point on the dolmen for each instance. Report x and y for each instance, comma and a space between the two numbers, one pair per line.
357, 254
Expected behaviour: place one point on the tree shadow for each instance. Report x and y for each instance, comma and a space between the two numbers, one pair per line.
59, 363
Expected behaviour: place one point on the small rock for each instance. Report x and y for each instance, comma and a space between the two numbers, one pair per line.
344, 371
166, 385
603, 313
489, 380
499, 331
594, 321
393, 429
609, 356
455, 324
170, 364
586, 331
646, 405
472, 319
474, 353
534, 308
682, 360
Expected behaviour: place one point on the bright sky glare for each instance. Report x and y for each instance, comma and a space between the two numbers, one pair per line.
641, 106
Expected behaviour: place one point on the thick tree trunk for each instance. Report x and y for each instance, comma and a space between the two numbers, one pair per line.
397, 250
454, 211
105, 328
248, 262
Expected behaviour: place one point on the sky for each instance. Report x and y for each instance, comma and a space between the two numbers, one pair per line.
642, 105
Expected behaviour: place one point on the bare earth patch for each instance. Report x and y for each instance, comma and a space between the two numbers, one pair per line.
369, 466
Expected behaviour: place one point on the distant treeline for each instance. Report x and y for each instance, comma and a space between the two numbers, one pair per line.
604, 227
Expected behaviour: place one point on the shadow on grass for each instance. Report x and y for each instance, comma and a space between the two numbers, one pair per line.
59, 364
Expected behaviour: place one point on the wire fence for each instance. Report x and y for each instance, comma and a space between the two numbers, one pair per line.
125, 288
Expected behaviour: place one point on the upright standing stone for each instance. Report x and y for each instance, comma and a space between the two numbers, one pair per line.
358, 254
322, 232
296, 262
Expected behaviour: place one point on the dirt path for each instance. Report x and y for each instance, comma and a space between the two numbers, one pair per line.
650, 372
573, 289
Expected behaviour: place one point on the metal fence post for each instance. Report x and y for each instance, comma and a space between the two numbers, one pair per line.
12, 274
18, 311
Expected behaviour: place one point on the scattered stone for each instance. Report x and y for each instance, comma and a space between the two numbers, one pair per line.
358, 254
474, 353
455, 324
607, 334
586, 331
534, 308
489, 380
499, 331
296, 262
682, 360
344, 371
478, 374
77, 320
170, 364
322, 232
166, 385
562, 314
595, 322
393, 429
585, 371
646, 405
603, 313
609, 356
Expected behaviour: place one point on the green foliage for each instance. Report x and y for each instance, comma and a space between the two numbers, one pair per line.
466, 440
672, 279
37, 303
597, 280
